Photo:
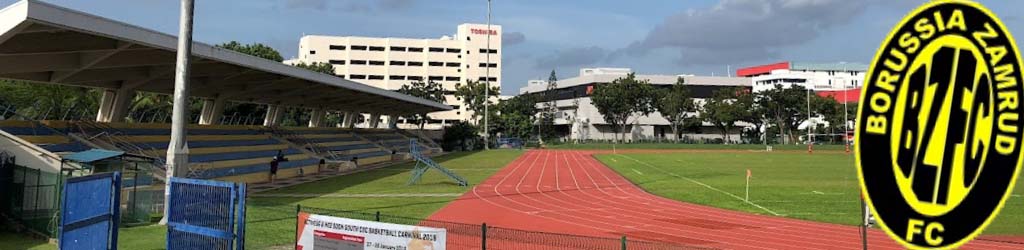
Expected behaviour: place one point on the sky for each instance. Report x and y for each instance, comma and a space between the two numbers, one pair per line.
702, 37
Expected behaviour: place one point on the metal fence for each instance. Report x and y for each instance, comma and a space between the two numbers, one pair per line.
30, 196
482, 236
205, 214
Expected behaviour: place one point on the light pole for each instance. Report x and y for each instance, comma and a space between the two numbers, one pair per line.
846, 118
487, 79
177, 151
810, 140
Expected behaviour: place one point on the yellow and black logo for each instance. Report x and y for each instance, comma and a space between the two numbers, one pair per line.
939, 129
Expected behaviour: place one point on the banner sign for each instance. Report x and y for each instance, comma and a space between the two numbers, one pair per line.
321, 232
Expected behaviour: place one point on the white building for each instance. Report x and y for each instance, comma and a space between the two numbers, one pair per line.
816, 77
390, 63
579, 119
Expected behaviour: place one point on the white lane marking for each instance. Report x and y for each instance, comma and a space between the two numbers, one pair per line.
637, 171
704, 185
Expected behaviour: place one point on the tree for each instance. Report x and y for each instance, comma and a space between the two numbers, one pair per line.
725, 108
547, 115
675, 105
47, 101
460, 136
783, 107
255, 49
319, 67
623, 99
472, 94
516, 116
426, 90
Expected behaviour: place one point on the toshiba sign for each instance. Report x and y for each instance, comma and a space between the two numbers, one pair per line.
483, 32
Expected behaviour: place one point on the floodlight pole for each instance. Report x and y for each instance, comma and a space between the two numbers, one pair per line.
177, 151
487, 79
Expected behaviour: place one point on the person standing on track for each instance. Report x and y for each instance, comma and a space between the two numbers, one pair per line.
274, 163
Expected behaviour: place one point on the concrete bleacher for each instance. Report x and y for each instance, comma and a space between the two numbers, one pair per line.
234, 153
220, 152
343, 144
47, 136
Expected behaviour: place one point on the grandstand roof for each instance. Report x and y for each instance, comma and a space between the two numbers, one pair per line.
41, 42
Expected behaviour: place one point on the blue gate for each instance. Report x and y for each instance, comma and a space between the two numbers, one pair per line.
90, 212
204, 214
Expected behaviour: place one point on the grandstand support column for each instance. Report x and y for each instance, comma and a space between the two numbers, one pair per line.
114, 105
273, 116
213, 110
374, 120
350, 119
393, 121
316, 119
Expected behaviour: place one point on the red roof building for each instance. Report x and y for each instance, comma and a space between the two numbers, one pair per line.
851, 95
761, 69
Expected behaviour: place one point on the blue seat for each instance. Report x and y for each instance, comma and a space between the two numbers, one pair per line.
350, 147
65, 147
28, 130
256, 168
336, 139
365, 155
211, 144
239, 155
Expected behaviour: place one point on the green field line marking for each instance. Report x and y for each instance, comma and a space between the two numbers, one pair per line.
331, 195
703, 184
637, 171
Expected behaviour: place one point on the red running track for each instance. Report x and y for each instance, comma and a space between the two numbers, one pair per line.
570, 192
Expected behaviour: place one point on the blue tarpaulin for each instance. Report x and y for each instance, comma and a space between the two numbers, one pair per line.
93, 155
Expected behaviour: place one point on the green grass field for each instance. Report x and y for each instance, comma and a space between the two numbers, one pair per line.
820, 187
270, 222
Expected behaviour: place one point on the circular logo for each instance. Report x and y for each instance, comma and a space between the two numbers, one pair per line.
939, 129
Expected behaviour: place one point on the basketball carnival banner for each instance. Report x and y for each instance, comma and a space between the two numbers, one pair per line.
321, 232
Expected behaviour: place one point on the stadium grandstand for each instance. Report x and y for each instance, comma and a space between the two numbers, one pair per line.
45, 44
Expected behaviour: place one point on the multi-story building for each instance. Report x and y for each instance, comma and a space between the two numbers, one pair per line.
578, 119
816, 77
391, 63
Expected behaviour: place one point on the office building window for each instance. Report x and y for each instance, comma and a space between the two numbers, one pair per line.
357, 62
396, 77
493, 79
376, 63
376, 77
450, 50
436, 78
312, 52
493, 51
337, 47
415, 63
453, 64
485, 65
358, 77
436, 64
414, 49
336, 62
396, 48
453, 78
415, 78
435, 49
376, 48
398, 63
358, 47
